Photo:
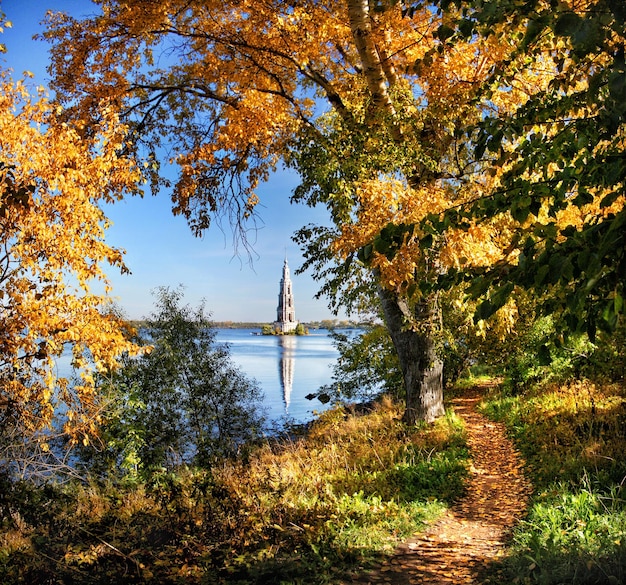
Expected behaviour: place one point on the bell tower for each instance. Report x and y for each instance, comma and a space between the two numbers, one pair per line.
286, 312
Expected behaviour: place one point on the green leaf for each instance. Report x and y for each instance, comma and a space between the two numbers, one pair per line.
617, 85
560, 267
567, 24
444, 32
533, 30
426, 242
567, 270
466, 27
478, 288
609, 199
494, 143
480, 148
365, 253
535, 207
583, 198
484, 311
541, 274
500, 296
543, 355
381, 245
583, 259
520, 209
609, 317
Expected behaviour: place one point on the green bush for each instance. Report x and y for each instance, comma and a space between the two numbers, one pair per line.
182, 403
367, 366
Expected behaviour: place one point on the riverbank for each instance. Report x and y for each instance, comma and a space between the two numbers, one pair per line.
333, 500
349, 499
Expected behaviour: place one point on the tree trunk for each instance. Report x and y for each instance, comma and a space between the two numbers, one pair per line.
422, 368
374, 71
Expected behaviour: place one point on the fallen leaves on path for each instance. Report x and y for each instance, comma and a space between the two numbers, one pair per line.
462, 545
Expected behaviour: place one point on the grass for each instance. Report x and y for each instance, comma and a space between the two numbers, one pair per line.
574, 439
312, 509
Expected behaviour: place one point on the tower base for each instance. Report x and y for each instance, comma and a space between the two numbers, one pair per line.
285, 327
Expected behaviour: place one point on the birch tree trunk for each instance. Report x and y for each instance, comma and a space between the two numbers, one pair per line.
373, 69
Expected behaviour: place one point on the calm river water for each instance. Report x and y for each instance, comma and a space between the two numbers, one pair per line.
287, 368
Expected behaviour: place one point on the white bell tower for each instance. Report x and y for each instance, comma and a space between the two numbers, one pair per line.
286, 311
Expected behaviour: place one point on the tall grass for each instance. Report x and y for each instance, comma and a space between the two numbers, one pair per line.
350, 491
574, 439
310, 509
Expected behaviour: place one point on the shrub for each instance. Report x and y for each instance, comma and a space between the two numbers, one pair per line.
182, 403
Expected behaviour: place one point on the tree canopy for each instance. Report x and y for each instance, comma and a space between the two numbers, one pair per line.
441, 136
52, 252
561, 158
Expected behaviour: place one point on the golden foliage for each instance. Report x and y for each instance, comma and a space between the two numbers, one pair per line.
438, 98
234, 65
381, 202
52, 250
239, 78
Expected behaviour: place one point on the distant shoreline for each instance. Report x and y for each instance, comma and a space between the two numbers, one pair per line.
325, 324
312, 325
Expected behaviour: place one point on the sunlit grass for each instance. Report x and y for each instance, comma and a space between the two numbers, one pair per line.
309, 509
354, 488
574, 438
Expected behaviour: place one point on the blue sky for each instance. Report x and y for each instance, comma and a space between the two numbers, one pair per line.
160, 249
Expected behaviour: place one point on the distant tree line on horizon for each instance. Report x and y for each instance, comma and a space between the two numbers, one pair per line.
329, 324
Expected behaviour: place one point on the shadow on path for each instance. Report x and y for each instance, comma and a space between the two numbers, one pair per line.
462, 545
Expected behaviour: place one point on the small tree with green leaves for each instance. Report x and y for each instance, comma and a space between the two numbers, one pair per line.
182, 403
367, 366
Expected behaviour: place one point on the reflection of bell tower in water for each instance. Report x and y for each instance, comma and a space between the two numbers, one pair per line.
287, 365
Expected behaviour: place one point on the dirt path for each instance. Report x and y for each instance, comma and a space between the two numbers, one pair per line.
460, 546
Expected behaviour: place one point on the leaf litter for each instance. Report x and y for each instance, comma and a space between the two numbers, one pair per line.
464, 545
